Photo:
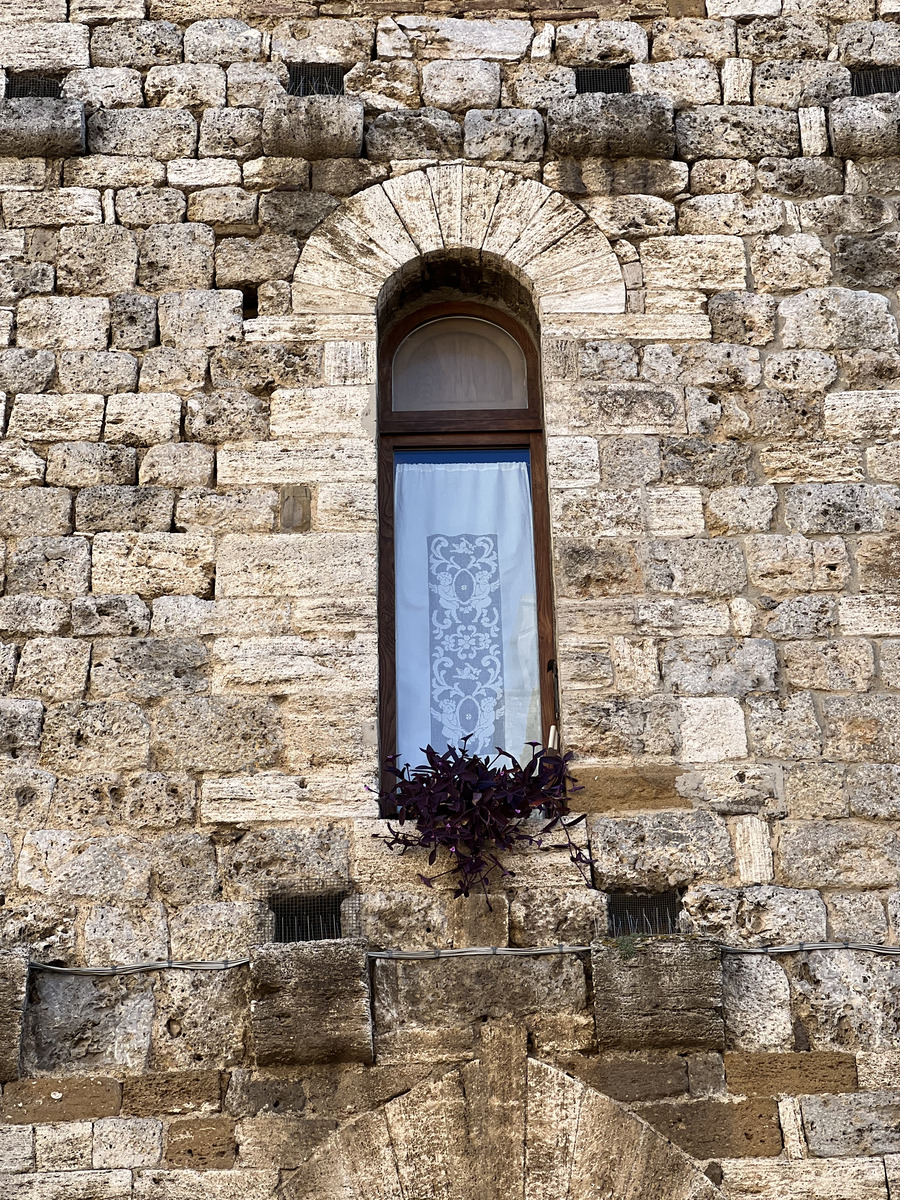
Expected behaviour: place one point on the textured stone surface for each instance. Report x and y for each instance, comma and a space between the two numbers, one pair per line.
311, 1004
658, 993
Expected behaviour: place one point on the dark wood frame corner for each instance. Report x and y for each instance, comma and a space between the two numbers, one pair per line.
485, 429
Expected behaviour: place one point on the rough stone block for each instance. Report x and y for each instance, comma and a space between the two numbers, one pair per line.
224, 416
158, 132
218, 734
667, 993
426, 133
13, 985
121, 1143
147, 668
243, 261
865, 126
140, 207
198, 319
50, 417
135, 43
142, 418
313, 127
176, 257
96, 371
35, 510
837, 854
153, 563
253, 84
178, 464
457, 86
70, 865
104, 87
383, 86
96, 260
780, 564
311, 1003
848, 1126
84, 464
225, 209
50, 566
737, 131
790, 1074
41, 128
619, 126
673, 849
110, 508
63, 323
97, 616
52, 46
227, 135
795, 85
222, 41
53, 669
811, 1179
202, 1143
600, 43
501, 40
719, 1128
28, 1101
133, 321
709, 263
504, 134
687, 82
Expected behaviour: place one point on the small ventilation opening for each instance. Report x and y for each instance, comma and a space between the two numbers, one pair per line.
310, 917
44, 87
315, 79
602, 79
869, 83
250, 305
638, 915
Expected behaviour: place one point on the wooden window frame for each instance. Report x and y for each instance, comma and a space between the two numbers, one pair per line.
485, 429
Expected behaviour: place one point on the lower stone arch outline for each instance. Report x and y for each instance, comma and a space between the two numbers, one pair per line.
503, 1127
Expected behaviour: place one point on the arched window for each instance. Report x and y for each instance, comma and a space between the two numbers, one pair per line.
466, 625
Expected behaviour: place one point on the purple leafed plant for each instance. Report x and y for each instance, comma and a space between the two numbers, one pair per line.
475, 809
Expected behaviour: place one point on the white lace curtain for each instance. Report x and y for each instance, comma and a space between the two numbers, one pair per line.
466, 612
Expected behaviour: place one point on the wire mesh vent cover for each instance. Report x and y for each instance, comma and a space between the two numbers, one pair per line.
602, 79
869, 83
631, 913
315, 79
46, 87
310, 916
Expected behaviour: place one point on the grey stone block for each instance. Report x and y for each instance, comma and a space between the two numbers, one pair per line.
32, 127
657, 993
13, 985
616, 125
737, 131
313, 127
865, 126
852, 1125
310, 1003
416, 133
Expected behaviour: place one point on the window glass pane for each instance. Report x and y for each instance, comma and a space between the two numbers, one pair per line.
459, 363
466, 612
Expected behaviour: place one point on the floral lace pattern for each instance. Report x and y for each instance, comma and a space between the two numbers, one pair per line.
466, 641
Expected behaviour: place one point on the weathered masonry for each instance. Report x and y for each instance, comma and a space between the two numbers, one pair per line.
247, 249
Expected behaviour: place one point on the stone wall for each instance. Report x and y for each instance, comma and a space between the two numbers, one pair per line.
193, 266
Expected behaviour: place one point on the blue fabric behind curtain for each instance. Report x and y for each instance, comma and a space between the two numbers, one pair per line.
466, 611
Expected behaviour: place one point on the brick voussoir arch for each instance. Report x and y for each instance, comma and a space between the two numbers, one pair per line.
540, 236
503, 1126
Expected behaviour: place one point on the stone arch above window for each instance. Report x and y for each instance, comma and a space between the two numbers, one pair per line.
540, 236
